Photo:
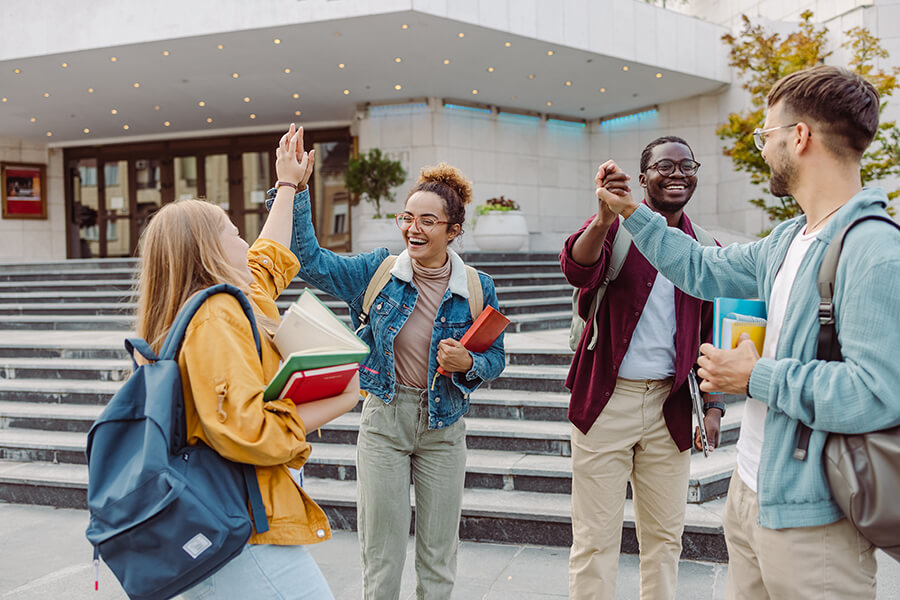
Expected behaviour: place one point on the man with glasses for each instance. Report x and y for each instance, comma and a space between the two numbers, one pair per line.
630, 405
786, 536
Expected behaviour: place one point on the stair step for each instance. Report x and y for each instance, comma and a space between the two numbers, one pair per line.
59, 368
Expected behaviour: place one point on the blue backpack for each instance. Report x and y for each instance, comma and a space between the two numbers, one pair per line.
165, 515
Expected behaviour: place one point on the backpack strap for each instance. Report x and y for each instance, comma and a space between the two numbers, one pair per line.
376, 284
828, 347
620, 247
140, 346
476, 293
703, 236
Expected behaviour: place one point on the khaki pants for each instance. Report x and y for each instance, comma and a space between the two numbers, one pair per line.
394, 439
828, 562
628, 440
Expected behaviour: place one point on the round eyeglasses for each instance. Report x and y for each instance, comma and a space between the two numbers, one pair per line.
759, 135
666, 167
424, 223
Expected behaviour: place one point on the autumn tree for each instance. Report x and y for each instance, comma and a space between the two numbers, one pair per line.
762, 58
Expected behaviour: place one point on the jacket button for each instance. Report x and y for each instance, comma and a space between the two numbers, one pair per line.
443, 319
437, 399
649, 284
320, 533
440, 423
379, 306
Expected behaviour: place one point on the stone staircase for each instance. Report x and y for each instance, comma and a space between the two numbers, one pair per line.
61, 358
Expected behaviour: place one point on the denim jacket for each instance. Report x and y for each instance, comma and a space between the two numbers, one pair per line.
856, 395
346, 278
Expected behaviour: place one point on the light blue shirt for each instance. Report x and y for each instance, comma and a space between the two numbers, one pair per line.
857, 395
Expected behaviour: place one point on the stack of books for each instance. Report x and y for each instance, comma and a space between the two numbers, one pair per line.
734, 316
321, 354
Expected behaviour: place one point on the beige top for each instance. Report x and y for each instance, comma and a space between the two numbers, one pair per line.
413, 343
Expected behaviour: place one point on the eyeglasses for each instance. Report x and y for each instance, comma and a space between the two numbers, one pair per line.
759, 135
424, 223
666, 167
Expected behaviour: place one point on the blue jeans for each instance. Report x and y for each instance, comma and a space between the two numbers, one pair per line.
265, 572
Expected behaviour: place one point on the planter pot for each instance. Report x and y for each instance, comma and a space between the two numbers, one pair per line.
498, 231
378, 233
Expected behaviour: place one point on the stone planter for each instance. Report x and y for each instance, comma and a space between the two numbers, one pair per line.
378, 233
501, 231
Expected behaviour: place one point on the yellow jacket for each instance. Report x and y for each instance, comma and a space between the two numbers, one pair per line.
223, 384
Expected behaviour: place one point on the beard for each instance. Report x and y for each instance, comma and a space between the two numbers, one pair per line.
783, 177
664, 205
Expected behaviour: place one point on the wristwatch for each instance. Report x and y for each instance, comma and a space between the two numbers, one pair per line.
714, 404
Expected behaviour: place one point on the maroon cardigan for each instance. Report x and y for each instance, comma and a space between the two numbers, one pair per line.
592, 376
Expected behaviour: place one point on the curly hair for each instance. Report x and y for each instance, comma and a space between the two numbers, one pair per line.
451, 185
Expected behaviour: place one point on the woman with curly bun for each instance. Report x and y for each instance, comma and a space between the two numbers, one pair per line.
411, 418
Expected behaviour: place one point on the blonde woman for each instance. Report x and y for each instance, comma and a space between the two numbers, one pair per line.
411, 423
190, 245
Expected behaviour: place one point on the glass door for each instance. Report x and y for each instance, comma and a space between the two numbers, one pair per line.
331, 201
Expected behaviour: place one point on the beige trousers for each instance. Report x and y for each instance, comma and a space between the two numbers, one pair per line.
628, 440
394, 441
828, 562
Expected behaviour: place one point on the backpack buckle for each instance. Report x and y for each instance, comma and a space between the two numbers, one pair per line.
826, 313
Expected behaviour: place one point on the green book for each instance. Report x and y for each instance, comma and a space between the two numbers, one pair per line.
310, 336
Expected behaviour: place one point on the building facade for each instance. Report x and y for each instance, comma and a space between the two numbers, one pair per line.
127, 108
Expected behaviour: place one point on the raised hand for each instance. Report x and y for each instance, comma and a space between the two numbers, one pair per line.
292, 164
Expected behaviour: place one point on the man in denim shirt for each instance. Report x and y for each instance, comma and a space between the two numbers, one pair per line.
786, 536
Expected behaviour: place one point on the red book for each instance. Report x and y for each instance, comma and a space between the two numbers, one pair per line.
483, 332
315, 384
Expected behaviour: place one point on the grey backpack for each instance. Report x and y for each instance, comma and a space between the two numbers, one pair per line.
620, 248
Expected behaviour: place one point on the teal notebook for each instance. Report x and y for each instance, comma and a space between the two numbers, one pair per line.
725, 307
310, 336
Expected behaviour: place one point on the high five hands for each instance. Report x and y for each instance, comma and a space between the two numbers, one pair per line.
613, 192
292, 164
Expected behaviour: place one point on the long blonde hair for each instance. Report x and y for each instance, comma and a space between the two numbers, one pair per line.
181, 253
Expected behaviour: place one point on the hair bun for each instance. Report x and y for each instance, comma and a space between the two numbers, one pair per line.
449, 176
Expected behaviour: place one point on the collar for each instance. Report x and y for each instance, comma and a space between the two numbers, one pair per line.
402, 270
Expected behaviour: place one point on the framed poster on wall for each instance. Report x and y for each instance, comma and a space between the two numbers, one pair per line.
23, 187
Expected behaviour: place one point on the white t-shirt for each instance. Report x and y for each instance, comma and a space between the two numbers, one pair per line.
651, 353
749, 445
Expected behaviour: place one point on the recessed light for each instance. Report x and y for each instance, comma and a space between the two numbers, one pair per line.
474, 91
490, 69
114, 111
220, 46
340, 65
32, 119
297, 113
602, 90
65, 65
90, 90
246, 98
49, 133
446, 61
508, 44
46, 94
86, 130
17, 71
625, 68
125, 127
398, 59
3, 99
549, 52
235, 75
346, 92
398, 87
287, 70
165, 52
461, 34
136, 84
201, 103
549, 103
209, 119
166, 123
568, 84
276, 41
252, 115
156, 107
404, 26
658, 75
113, 59
295, 95
531, 76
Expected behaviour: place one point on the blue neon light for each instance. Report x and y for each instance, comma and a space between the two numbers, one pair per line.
485, 111
629, 118
564, 123
395, 107
519, 117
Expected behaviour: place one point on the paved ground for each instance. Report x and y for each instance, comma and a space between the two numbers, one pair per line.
44, 555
